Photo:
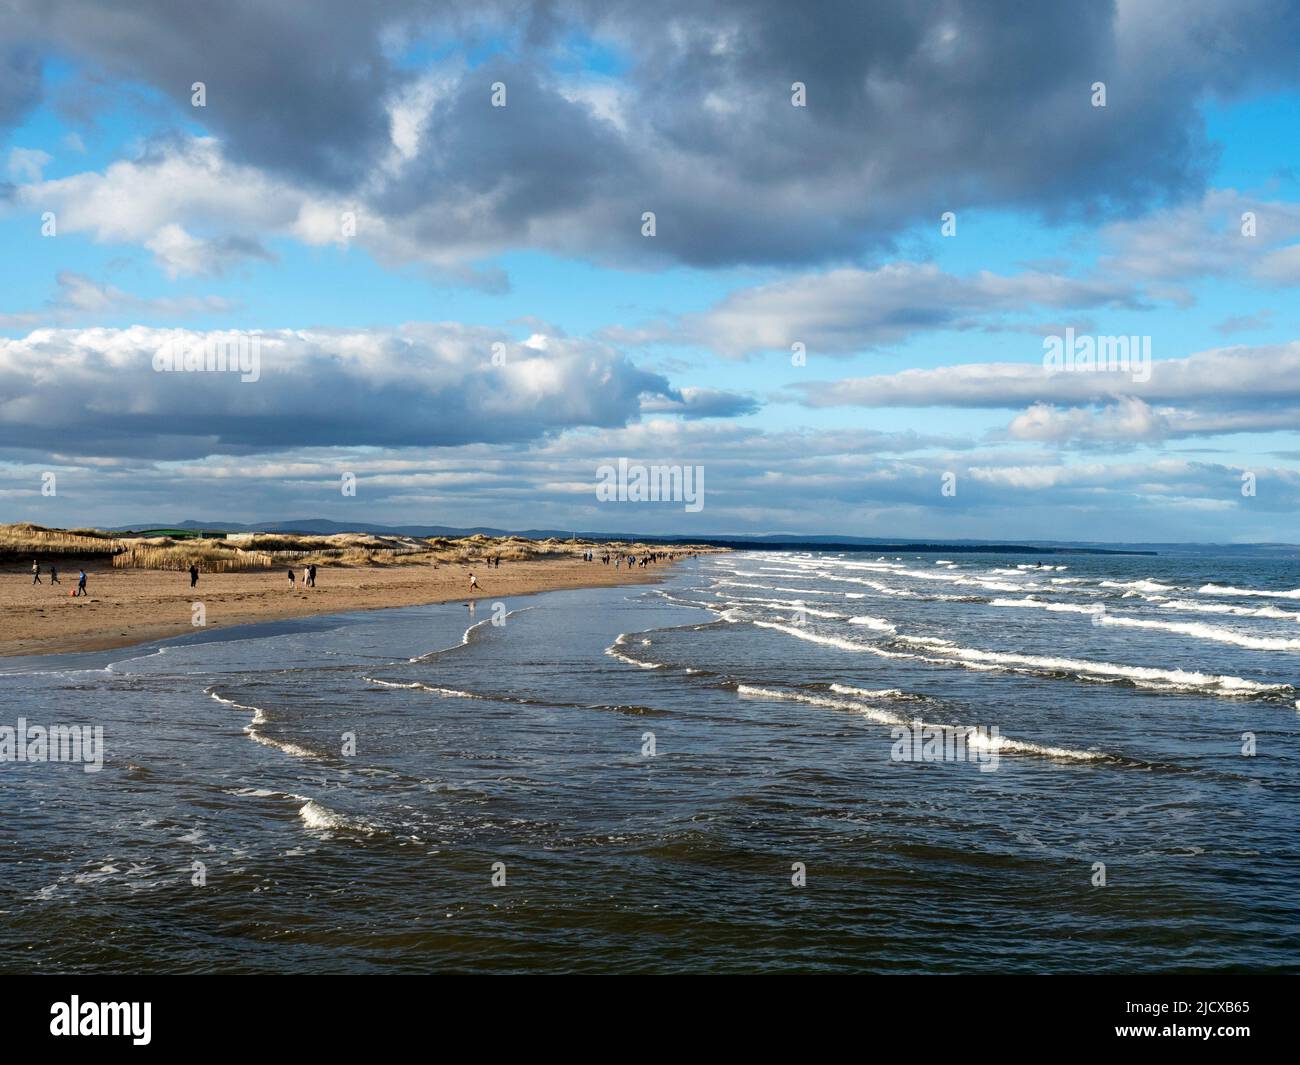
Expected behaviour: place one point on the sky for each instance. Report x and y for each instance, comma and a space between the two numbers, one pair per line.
818, 254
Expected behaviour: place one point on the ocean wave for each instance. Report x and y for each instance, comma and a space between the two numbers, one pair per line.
1137, 586
1064, 608
1200, 631
997, 586
767, 588
1264, 593
259, 718
873, 693
878, 624
984, 742
781, 604
322, 819
881, 717
613, 651
455, 693
468, 634
1229, 608
883, 589
828, 641
1084, 669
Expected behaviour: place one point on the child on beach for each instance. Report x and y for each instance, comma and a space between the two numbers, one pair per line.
194, 575
36, 572
81, 582
54, 575
473, 583
292, 580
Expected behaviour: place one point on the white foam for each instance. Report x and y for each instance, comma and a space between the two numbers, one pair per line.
883, 589
803, 633
1143, 676
812, 637
973, 739
323, 819
781, 604
613, 652
1221, 589
879, 624
259, 718
1230, 608
464, 640
871, 693
1200, 631
881, 717
1137, 586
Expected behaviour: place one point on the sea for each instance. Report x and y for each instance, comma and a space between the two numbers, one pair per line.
770, 762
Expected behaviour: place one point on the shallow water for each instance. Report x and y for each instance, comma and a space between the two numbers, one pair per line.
770, 685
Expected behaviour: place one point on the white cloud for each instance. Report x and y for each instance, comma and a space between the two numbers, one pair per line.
26, 164
81, 299
1224, 232
848, 310
1231, 376
415, 385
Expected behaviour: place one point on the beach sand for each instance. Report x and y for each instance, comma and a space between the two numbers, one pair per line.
131, 606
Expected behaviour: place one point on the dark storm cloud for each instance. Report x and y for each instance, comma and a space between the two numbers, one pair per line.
293, 87
913, 109
540, 157
20, 81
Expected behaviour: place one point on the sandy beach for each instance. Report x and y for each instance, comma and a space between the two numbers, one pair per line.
130, 606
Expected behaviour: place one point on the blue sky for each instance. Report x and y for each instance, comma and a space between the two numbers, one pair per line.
775, 224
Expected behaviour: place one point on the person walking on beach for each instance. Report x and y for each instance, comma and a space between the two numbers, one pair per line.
194, 575
292, 579
54, 575
36, 572
473, 583
311, 576
81, 582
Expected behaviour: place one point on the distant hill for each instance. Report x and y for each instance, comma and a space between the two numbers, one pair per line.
790, 541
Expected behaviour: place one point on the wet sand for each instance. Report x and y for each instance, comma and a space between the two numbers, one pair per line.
130, 606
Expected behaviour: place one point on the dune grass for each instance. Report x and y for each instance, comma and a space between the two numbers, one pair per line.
24, 541
261, 551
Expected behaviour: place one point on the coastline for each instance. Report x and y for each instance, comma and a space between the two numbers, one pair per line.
126, 607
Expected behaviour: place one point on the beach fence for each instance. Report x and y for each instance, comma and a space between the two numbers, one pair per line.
22, 543
225, 558
210, 559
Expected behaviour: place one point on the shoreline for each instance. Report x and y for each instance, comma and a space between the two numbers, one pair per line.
129, 607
